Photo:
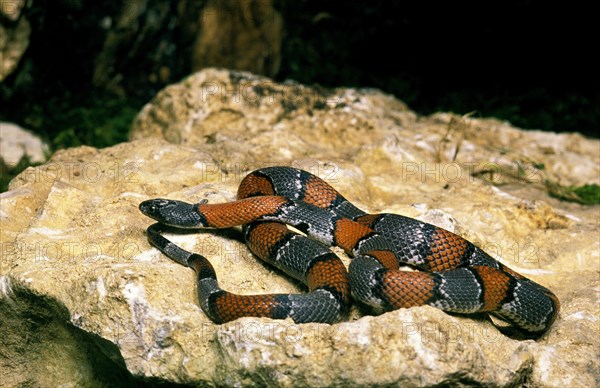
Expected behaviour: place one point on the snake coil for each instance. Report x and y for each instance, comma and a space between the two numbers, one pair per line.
454, 275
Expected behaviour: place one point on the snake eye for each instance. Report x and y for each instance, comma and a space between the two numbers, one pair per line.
150, 207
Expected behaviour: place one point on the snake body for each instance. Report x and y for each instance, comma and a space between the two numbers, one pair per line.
453, 274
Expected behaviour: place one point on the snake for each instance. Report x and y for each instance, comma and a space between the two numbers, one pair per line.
397, 261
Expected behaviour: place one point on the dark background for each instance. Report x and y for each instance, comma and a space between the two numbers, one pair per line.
528, 62
523, 61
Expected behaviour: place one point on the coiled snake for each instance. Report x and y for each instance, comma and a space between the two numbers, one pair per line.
455, 275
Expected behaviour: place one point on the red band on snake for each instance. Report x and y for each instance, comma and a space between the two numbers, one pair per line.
454, 275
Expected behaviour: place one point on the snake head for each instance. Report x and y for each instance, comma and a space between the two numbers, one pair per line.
173, 213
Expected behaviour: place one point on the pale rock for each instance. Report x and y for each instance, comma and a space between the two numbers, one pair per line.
16, 143
12, 9
74, 246
14, 37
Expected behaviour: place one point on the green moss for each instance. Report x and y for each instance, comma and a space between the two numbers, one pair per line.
588, 194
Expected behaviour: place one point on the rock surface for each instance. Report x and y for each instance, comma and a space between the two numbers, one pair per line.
75, 259
14, 36
16, 143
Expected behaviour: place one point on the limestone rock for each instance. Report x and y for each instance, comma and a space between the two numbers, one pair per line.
16, 142
14, 37
74, 247
245, 120
12, 9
